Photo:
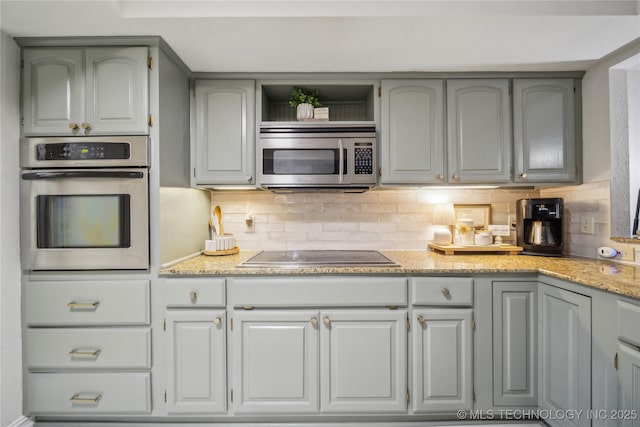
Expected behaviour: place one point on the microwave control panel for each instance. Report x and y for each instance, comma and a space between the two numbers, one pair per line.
363, 158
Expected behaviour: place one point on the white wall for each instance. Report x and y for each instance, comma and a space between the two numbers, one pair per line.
10, 338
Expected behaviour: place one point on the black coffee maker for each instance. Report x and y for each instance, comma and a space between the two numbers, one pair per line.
539, 226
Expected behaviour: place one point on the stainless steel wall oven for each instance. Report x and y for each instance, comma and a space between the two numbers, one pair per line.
85, 203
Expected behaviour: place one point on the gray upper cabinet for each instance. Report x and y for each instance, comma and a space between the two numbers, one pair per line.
412, 132
479, 131
224, 141
93, 91
544, 131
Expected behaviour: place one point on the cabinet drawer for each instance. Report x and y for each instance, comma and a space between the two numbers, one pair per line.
99, 394
87, 303
195, 292
628, 321
318, 292
442, 291
88, 348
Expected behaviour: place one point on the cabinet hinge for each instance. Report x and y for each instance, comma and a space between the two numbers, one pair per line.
510, 91
615, 362
21, 63
392, 307
231, 324
379, 91
164, 325
408, 324
21, 121
232, 395
473, 324
194, 172
408, 396
150, 62
248, 307
474, 395
380, 171
165, 396
150, 120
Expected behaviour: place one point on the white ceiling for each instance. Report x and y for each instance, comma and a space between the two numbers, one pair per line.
357, 35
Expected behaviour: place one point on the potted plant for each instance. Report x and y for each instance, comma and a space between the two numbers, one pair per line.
305, 101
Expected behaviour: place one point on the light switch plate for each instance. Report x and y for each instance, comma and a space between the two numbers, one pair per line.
587, 225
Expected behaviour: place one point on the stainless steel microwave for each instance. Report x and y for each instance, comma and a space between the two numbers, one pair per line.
317, 157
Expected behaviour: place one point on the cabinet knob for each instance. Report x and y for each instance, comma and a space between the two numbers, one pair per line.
73, 126
455, 177
249, 178
422, 320
313, 321
193, 296
86, 126
440, 177
446, 293
523, 176
217, 321
326, 320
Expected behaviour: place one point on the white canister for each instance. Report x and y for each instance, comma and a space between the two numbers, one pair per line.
483, 238
442, 236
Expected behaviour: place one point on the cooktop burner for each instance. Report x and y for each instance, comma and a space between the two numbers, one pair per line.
318, 258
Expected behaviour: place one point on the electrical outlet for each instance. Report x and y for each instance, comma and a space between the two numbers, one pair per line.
512, 221
626, 255
587, 225
250, 223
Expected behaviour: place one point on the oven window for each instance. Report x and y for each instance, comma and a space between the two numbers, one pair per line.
84, 221
302, 161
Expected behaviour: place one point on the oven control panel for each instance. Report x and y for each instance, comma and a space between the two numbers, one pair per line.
83, 151
363, 155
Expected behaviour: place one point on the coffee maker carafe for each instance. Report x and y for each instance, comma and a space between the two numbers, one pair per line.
539, 226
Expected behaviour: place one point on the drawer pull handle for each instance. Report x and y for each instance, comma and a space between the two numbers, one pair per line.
326, 320
77, 399
86, 353
193, 296
446, 293
217, 321
313, 321
422, 320
83, 305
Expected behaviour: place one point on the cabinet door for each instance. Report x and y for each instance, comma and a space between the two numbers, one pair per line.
564, 352
363, 361
225, 134
117, 91
275, 362
479, 131
544, 134
515, 371
629, 374
442, 360
196, 355
412, 132
53, 91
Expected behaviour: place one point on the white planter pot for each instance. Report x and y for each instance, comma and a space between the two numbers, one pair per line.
304, 111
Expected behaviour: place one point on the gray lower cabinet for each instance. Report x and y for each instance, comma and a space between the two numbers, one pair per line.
412, 131
87, 347
442, 360
92, 91
479, 131
628, 362
223, 150
442, 344
309, 361
544, 131
515, 337
564, 355
196, 360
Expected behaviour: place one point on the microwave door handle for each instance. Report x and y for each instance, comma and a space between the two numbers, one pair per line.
83, 174
341, 160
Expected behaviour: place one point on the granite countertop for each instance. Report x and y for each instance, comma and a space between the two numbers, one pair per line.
608, 276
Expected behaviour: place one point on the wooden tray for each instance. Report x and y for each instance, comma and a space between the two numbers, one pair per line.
231, 251
491, 249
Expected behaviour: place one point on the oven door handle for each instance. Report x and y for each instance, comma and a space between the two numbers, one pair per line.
341, 160
83, 174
